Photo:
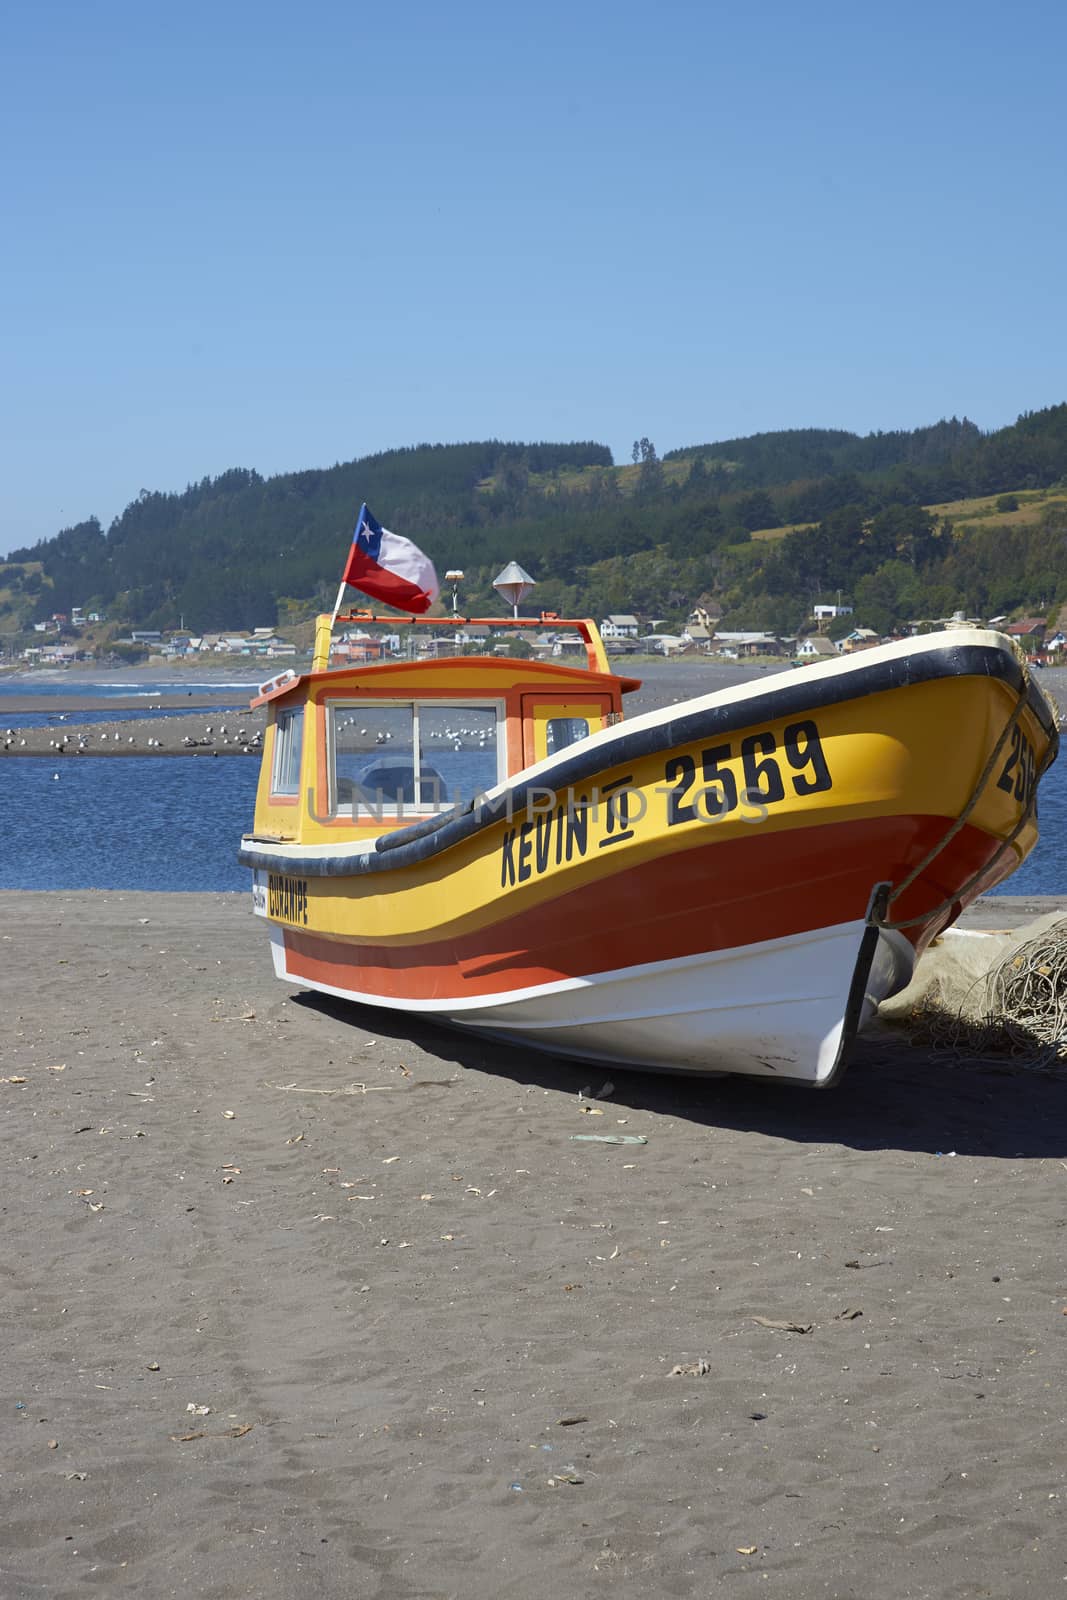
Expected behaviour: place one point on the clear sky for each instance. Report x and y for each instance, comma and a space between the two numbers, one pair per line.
281, 236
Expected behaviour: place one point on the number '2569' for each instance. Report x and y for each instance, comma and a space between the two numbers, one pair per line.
765, 766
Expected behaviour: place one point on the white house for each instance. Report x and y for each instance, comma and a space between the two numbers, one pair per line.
619, 627
828, 613
815, 648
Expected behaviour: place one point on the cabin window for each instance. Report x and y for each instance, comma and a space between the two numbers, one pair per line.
425, 756
458, 751
562, 731
374, 756
288, 746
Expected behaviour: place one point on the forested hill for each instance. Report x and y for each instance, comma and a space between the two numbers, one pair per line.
653, 534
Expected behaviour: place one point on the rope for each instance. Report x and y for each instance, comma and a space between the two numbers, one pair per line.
882, 918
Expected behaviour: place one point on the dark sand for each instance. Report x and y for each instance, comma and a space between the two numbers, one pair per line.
417, 1309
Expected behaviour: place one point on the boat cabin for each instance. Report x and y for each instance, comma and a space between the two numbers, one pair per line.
356, 751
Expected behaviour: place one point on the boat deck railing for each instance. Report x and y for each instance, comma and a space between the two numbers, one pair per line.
585, 627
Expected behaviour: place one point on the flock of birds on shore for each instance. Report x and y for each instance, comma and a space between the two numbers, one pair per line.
250, 743
68, 744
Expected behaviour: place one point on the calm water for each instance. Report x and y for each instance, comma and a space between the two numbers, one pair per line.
139, 822
134, 822
68, 689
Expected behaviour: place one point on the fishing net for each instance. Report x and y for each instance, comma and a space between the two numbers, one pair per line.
1029, 986
990, 995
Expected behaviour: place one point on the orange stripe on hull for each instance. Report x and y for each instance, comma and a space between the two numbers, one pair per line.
717, 896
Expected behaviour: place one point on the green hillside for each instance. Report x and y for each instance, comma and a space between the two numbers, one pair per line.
904, 524
23, 591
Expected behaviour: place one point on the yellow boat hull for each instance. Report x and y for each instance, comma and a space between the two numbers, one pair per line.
727, 886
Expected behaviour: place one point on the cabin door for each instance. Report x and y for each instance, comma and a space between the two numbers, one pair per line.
549, 726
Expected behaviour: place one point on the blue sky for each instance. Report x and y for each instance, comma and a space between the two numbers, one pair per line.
279, 237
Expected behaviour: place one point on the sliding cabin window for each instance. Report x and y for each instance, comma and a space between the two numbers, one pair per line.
392, 758
288, 746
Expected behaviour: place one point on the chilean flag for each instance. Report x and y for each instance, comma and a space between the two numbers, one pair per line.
388, 567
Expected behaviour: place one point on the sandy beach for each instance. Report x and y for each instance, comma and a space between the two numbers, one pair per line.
305, 1301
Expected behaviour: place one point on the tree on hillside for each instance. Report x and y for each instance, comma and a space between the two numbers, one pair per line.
757, 510
650, 478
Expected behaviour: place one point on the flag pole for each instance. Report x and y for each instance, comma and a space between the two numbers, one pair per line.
323, 637
343, 584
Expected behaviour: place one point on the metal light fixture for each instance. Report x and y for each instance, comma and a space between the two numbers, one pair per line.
513, 584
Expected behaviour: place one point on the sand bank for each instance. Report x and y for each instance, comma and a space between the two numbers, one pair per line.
70, 705
438, 1335
223, 732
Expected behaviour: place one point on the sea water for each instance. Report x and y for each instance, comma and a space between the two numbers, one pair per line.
125, 822
144, 822
68, 688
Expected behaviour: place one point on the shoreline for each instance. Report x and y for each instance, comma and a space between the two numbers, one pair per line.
16, 705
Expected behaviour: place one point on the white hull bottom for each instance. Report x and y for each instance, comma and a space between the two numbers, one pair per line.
783, 1008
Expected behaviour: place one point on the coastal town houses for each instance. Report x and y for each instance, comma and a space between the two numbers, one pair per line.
356, 647
664, 644
705, 616
1056, 638
568, 644
1030, 632
859, 639
738, 645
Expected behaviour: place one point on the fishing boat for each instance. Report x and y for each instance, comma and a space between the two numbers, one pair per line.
728, 885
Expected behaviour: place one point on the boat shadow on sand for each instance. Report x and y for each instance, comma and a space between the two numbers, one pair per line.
893, 1096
